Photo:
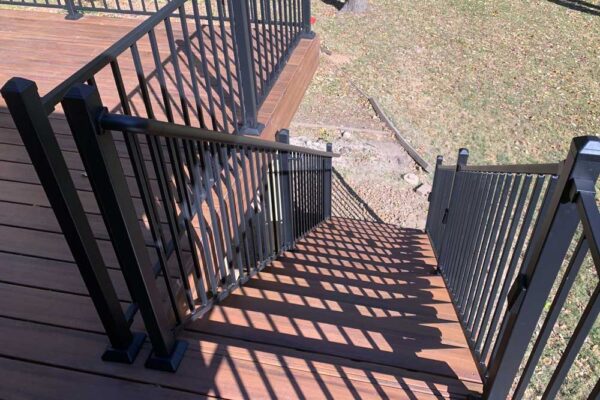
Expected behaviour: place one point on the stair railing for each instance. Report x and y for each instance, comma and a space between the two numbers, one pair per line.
504, 237
191, 213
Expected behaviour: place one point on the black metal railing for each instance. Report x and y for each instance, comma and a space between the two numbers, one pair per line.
505, 240
191, 213
227, 53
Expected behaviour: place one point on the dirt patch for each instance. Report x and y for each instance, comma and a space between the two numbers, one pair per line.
368, 181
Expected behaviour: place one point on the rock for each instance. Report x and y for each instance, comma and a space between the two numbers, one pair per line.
347, 135
424, 189
411, 179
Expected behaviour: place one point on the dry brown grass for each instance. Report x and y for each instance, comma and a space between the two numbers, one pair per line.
511, 80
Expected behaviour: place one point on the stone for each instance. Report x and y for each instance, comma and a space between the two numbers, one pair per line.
411, 179
424, 189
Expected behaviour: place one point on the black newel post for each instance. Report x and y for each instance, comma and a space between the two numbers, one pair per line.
307, 31
287, 225
327, 166
83, 109
246, 75
72, 13
27, 111
461, 161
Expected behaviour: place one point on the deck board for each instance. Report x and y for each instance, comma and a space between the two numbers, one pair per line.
62, 47
378, 277
352, 313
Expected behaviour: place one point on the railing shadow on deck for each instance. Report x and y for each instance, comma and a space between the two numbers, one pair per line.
354, 295
579, 5
346, 203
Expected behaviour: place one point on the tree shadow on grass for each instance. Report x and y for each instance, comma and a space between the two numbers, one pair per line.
337, 4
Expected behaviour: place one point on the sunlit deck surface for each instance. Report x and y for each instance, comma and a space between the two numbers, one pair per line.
354, 312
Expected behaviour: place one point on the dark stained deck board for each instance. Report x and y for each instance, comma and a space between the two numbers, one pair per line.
343, 258
47, 382
74, 312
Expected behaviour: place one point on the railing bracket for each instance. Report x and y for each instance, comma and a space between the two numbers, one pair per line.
169, 363
125, 356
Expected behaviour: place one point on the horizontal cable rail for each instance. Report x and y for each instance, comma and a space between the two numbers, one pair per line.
507, 244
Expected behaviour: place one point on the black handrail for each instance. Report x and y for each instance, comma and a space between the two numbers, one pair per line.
500, 236
131, 124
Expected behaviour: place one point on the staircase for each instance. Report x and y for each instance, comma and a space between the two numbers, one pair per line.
139, 209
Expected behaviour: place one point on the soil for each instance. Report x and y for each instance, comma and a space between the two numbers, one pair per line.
368, 176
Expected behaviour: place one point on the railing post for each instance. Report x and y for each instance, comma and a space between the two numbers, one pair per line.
246, 74
461, 161
530, 290
28, 113
83, 109
307, 31
283, 136
72, 13
438, 163
327, 166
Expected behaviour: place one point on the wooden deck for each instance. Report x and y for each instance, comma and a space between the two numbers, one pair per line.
46, 48
353, 313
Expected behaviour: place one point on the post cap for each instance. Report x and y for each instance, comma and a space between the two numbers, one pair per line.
283, 136
586, 145
18, 85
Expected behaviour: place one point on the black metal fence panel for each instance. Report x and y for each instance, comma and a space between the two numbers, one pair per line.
504, 238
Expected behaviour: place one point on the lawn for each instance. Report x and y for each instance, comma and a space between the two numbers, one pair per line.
511, 80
